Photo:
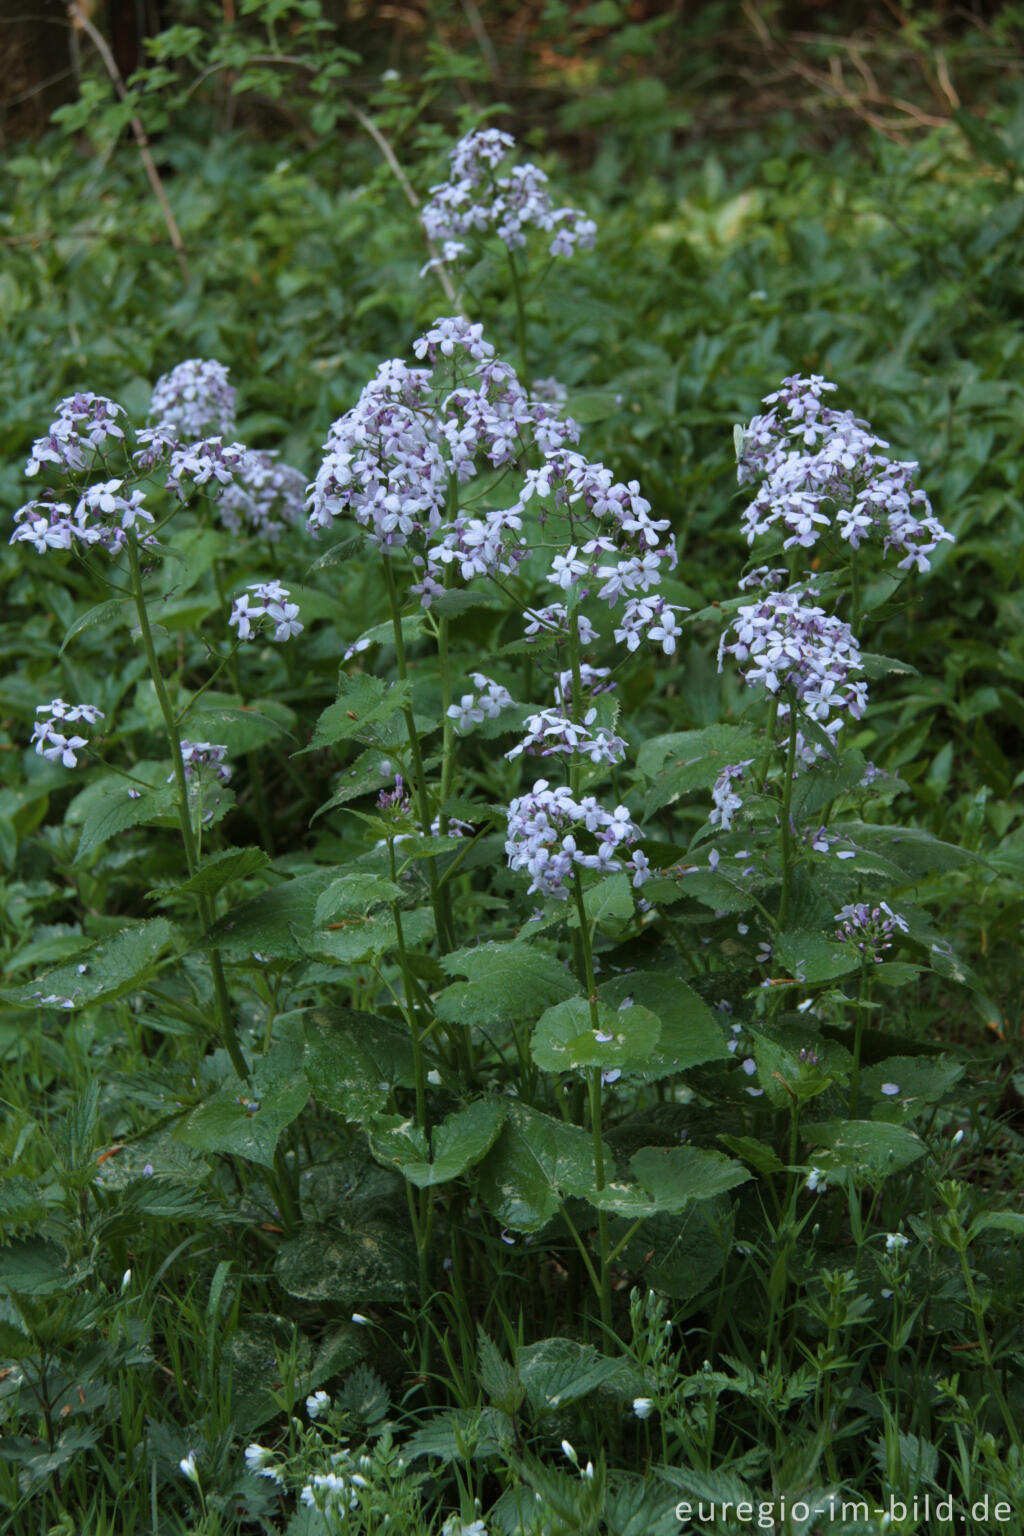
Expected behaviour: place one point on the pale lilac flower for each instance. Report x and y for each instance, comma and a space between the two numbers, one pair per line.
869, 929
544, 832
727, 802
790, 643
50, 741
263, 496
821, 468
486, 702
477, 199
194, 400
84, 424
549, 731
206, 460
200, 755
270, 601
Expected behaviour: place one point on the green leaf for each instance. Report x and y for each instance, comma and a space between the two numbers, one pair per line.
559, 1371
688, 760
670, 1179
690, 1033
248, 1122
813, 958
354, 893
511, 982
276, 921
117, 812
353, 1263
353, 1060
756, 1153
100, 614
678, 1254
608, 904
534, 1159
461, 1434
216, 870
458, 1143
109, 969
565, 1041
362, 702
240, 730
354, 939
869, 1148
31, 1266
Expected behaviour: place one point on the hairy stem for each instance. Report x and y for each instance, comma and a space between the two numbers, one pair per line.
225, 1022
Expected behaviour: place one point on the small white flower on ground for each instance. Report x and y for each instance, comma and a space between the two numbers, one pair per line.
187, 1466
890, 1089
643, 1407
317, 1403
894, 1241
816, 1181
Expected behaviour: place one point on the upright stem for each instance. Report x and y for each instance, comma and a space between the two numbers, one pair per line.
594, 1093
225, 1023
863, 998
854, 593
787, 833
448, 726
252, 762
517, 290
437, 896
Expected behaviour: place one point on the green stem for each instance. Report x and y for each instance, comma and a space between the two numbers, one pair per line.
986, 1349
517, 290
854, 593
439, 899
787, 831
223, 1003
594, 1094
252, 762
863, 998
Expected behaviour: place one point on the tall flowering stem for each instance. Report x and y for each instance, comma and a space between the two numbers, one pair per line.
439, 899
787, 828
223, 1003
594, 1093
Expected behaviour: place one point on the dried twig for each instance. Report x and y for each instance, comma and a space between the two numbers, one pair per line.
80, 22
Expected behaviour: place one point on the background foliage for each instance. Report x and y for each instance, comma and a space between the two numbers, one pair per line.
776, 191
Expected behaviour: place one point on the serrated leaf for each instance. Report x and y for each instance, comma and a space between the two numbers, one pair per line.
100, 614
117, 812
689, 760
362, 702
669, 1180
511, 982
216, 870
273, 921
534, 1159
813, 958
354, 893
458, 1143
869, 1148
248, 1122
608, 904
353, 1060
690, 1033
110, 968
565, 1040
559, 1371
353, 1263
461, 1434
240, 730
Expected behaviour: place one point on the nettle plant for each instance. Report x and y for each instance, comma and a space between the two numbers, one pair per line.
522, 1003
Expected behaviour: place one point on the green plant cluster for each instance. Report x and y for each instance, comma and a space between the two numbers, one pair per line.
348, 1184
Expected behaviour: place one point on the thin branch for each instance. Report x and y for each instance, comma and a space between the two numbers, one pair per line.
81, 22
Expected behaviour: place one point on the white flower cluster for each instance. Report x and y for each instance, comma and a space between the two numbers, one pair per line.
193, 411
263, 496
194, 400
258, 1459
791, 644
544, 826
390, 461
49, 737
821, 469
84, 423
485, 703
270, 601
869, 929
726, 801
197, 756
550, 732
481, 196
613, 541
102, 516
